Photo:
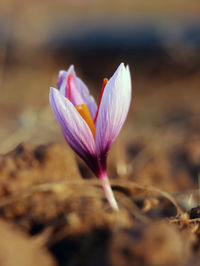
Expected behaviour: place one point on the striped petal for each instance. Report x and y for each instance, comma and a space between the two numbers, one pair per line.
113, 110
75, 129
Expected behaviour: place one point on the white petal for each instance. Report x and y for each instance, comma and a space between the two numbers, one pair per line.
113, 109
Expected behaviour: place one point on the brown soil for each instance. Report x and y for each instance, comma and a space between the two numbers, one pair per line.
52, 211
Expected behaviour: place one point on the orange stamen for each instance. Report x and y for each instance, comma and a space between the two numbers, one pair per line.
69, 86
105, 80
84, 112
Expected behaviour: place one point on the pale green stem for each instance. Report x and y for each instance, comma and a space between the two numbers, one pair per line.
109, 193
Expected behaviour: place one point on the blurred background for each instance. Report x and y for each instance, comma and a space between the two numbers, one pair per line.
160, 40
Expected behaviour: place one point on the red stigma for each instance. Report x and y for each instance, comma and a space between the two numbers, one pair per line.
69, 78
105, 80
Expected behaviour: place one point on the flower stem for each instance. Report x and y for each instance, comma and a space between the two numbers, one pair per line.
109, 193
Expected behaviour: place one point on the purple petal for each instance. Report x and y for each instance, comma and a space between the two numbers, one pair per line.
75, 129
62, 79
61, 76
79, 91
87, 98
113, 110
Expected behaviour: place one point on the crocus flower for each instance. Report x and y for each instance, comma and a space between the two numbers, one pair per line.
90, 129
